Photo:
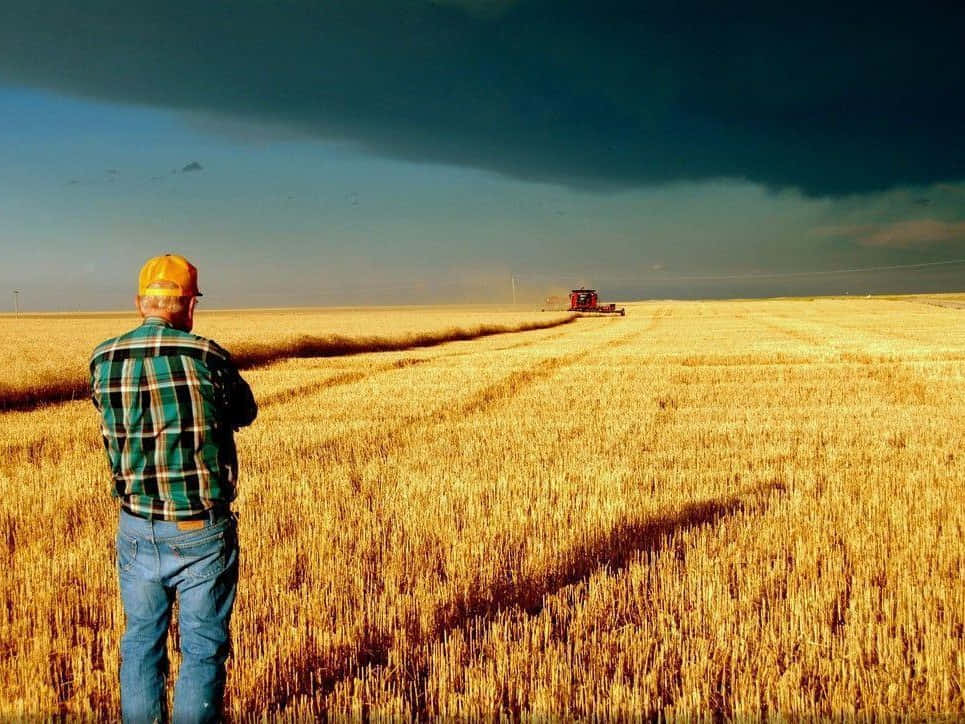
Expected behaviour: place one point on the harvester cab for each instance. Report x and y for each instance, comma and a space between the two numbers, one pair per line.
587, 301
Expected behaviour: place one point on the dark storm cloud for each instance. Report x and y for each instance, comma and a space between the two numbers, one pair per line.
839, 98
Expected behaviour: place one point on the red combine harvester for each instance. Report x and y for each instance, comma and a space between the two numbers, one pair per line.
586, 301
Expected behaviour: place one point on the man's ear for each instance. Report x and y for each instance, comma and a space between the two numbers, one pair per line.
189, 314
137, 304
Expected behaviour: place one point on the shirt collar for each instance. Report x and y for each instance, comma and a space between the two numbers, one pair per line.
157, 322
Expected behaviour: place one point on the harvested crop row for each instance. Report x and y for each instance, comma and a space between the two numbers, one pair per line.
56, 387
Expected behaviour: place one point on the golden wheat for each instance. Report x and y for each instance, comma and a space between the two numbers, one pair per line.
703, 509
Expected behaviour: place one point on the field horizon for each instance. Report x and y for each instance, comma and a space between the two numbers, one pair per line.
526, 306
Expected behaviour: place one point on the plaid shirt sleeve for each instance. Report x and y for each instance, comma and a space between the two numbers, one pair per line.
235, 396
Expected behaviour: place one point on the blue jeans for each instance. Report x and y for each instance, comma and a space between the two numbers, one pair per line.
155, 561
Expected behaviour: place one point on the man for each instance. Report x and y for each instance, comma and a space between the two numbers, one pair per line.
170, 402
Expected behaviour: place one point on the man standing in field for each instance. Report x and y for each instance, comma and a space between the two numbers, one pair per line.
170, 402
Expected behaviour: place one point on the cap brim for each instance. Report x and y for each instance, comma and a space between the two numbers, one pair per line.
167, 293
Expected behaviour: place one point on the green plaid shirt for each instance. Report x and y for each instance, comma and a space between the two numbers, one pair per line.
170, 402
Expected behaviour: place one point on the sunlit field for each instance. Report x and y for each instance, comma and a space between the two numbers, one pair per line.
702, 509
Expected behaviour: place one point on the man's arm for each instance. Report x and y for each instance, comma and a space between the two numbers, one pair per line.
238, 404
92, 390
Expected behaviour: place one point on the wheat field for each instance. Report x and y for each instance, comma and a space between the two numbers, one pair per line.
703, 510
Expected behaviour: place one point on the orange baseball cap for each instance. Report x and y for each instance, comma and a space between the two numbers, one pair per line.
180, 275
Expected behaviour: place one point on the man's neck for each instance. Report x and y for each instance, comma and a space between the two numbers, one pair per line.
158, 320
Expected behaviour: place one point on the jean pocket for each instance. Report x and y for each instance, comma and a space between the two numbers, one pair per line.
126, 552
201, 557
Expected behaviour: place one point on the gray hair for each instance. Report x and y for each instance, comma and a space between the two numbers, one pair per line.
170, 305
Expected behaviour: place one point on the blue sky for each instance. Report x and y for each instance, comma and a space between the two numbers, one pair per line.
374, 202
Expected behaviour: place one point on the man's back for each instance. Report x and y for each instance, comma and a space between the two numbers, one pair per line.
169, 403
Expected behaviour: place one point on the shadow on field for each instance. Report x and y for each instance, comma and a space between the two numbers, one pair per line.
46, 393
254, 355
612, 551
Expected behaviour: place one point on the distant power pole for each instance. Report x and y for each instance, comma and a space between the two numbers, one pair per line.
512, 280
16, 302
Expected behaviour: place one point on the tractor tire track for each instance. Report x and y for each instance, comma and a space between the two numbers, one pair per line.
888, 334
347, 378
509, 387
813, 339
946, 305
625, 339
514, 383
352, 377
398, 437
530, 343
346, 447
339, 380
795, 334
850, 352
